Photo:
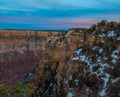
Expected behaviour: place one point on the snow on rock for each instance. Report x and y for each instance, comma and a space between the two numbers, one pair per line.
115, 80
114, 61
78, 52
83, 58
104, 65
105, 58
111, 34
102, 93
100, 50
70, 78
102, 35
103, 42
79, 56
95, 48
106, 80
70, 94
114, 54
118, 38
101, 69
75, 59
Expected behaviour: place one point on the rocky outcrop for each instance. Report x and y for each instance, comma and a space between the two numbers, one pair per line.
79, 63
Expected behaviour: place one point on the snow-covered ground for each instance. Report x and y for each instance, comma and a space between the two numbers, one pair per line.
102, 66
101, 58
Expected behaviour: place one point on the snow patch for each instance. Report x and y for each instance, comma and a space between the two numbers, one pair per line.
102, 35
103, 42
106, 80
115, 80
114, 54
111, 34
118, 38
78, 52
114, 61
100, 71
100, 50
70, 94
95, 48
75, 59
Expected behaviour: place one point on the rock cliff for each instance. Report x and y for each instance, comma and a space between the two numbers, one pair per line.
21, 51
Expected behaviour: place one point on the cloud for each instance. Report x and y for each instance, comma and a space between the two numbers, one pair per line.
59, 4
43, 23
57, 13
83, 21
13, 9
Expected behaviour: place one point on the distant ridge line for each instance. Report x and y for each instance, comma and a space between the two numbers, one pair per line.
33, 30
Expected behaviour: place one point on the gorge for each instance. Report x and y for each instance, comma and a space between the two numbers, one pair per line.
83, 62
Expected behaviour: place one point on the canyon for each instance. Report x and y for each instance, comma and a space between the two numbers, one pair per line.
81, 62
21, 51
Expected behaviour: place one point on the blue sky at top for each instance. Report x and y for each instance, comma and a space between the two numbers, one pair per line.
56, 14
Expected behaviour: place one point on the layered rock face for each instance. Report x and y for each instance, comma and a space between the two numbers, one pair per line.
21, 51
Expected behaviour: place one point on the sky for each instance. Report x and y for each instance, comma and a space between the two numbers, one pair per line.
56, 14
